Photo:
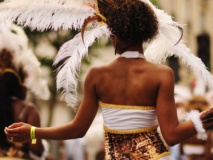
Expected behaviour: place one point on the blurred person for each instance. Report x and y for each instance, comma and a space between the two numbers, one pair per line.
19, 72
194, 148
181, 94
75, 149
100, 155
181, 113
95, 137
193, 97
135, 95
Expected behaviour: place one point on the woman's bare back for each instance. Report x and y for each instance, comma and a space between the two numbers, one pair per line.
129, 82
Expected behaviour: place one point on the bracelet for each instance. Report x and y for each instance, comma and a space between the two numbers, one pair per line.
32, 134
194, 116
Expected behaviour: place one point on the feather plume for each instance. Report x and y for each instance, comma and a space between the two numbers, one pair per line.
45, 14
14, 39
166, 45
70, 14
163, 47
194, 63
73, 52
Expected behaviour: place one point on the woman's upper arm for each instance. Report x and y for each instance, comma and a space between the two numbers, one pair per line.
83, 119
89, 105
173, 131
166, 109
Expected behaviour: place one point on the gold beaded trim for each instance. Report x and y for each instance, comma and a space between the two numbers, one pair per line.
98, 12
11, 158
133, 131
125, 106
161, 155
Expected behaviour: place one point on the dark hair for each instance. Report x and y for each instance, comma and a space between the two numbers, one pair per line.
130, 20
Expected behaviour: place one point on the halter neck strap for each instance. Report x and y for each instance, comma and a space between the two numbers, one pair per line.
132, 54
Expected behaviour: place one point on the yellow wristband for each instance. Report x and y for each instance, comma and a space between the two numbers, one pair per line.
32, 134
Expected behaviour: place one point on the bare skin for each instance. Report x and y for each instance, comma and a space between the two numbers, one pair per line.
126, 82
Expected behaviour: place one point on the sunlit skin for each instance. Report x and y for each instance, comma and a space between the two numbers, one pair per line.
123, 81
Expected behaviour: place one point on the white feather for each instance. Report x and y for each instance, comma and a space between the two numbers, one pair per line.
194, 63
164, 45
14, 39
200, 87
42, 15
68, 3
74, 51
70, 14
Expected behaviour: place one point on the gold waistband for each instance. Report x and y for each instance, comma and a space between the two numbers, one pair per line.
11, 158
133, 131
161, 155
107, 105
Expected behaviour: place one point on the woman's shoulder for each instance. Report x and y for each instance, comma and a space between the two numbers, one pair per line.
160, 68
161, 72
100, 69
165, 69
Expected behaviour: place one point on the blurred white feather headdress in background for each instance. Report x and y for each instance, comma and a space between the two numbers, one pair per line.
71, 14
14, 40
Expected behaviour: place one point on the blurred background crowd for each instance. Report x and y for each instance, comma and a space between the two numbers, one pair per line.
190, 92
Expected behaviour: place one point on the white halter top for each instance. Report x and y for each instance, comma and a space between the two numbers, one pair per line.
124, 117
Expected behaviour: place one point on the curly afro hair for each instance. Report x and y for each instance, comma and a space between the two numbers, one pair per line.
130, 20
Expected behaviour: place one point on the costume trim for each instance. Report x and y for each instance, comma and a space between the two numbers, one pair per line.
98, 12
161, 155
133, 131
15, 73
194, 116
106, 105
11, 158
132, 54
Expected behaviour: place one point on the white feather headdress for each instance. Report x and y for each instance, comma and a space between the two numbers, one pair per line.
14, 39
70, 14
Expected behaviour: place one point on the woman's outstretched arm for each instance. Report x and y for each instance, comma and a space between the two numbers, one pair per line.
172, 131
75, 129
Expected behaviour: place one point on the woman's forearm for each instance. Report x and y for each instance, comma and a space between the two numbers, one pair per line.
184, 131
181, 132
68, 131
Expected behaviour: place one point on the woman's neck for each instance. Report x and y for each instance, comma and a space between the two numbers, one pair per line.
135, 47
131, 47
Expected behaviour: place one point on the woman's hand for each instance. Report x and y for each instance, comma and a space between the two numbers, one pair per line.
18, 132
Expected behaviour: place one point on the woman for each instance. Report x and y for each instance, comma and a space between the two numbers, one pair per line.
13, 89
134, 94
